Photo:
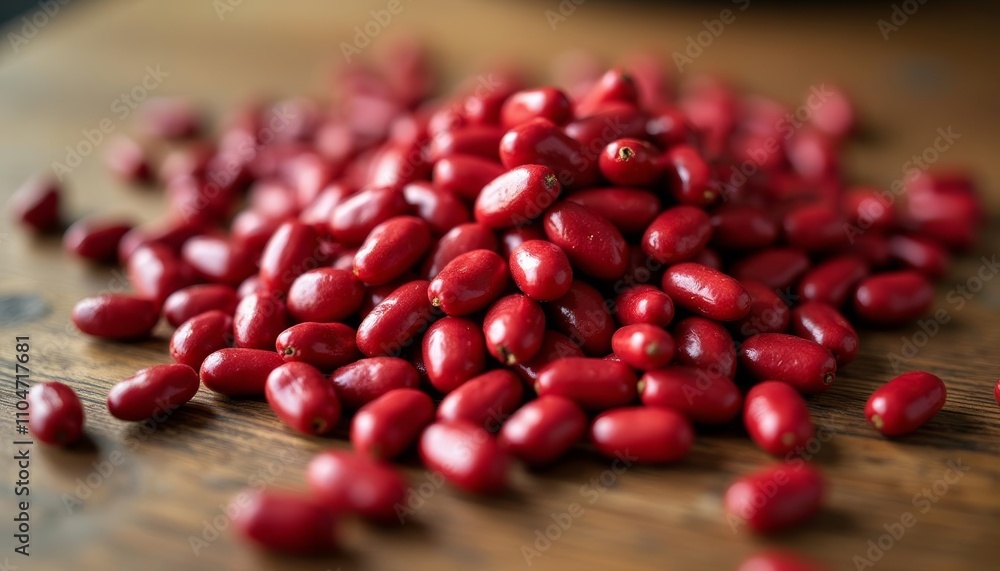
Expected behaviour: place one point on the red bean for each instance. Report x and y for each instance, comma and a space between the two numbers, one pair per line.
486, 400
55, 413
591, 242
689, 175
677, 234
465, 175
583, 316
643, 346
396, 320
644, 304
387, 426
200, 336
893, 298
217, 260
649, 435
776, 497
365, 380
742, 227
355, 217
612, 121
825, 325
542, 142
920, 253
831, 281
777, 418
36, 204
768, 312
466, 455
629, 162
155, 272
302, 397
95, 239
511, 238
631, 210
290, 252
996, 391
352, 483
517, 197
615, 86
905, 403
554, 346
441, 209
392, 248
697, 394
777, 268
152, 391
594, 384
543, 430
454, 351
706, 291
774, 560
705, 345
815, 228
457, 241
476, 140
325, 346
804, 364
469, 283
238, 372
194, 300
541, 270
545, 102
286, 523
113, 316
259, 319
868, 209
325, 295
514, 328
952, 218
172, 234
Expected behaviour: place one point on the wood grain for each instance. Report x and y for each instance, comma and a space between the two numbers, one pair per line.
172, 480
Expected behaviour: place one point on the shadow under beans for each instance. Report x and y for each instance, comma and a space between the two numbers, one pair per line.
952, 430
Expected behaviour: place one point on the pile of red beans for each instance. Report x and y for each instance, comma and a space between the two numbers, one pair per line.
509, 273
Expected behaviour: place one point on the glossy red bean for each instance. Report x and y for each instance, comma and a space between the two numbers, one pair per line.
441, 209
152, 392
285, 523
554, 346
358, 214
511, 238
541, 270
893, 298
804, 364
952, 218
291, 251
469, 283
815, 228
476, 140
259, 319
776, 497
486, 401
544, 102
218, 260
583, 316
644, 304
543, 430
905, 403
925, 255
95, 239
238, 372
467, 456
689, 175
465, 175
543, 143
591, 242
345, 482
454, 351
776, 416
200, 336
457, 241
775, 560
392, 248
643, 346
517, 197
825, 325
777, 268
629, 162
705, 291
387, 426
194, 300
699, 395
303, 398
631, 210
55, 415
768, 312
514, 328
649, 435
677, 234
832, 280
324, 295
705, 345
594, 384
172, 233
393, 324
155, 272
615, 86
365, 380
36, 204
868, 209
325, 346
742, 227
114, 316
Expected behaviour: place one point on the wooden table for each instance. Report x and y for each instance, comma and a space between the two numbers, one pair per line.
144, 492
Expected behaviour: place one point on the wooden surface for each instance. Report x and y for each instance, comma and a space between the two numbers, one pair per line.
937, 70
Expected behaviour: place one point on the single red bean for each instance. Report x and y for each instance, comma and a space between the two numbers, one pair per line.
544, 102
200, 336
615, 86
815, 228
469, 283
303, 398
920, 253
457, 241
689, 175
289, 253
583, 316
286, 523
454, 351
543, 430
155, 272
776, 497
543, 143
774, 560
768, 312
872, 248
387, 426
649, 435
952, 218
152, 391
742, 227
511, 238
629, 162
697, 394
541, 270
631, 210
218, 260
395, 165
95, 239
346, 482
905, 403
486, 400
831, 281
514, 328
239, 372
325, 346
172, 234
893, 298
259, 319
677, 234
273, 199
465, 175
476, 140
396, 320
777, 268
554, 346
192, 198
318, 212
365, 380
517, 197
36, 204
868, 209
668, 127
594, 384
804, 364
643, 346
776, 416
825, 325
644, 304
392, 248
55, 413
194, 300
591, 242
441, 209
325, 295
996, 391
355, 217
466, 455
705, 345
114, 316
706, 291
